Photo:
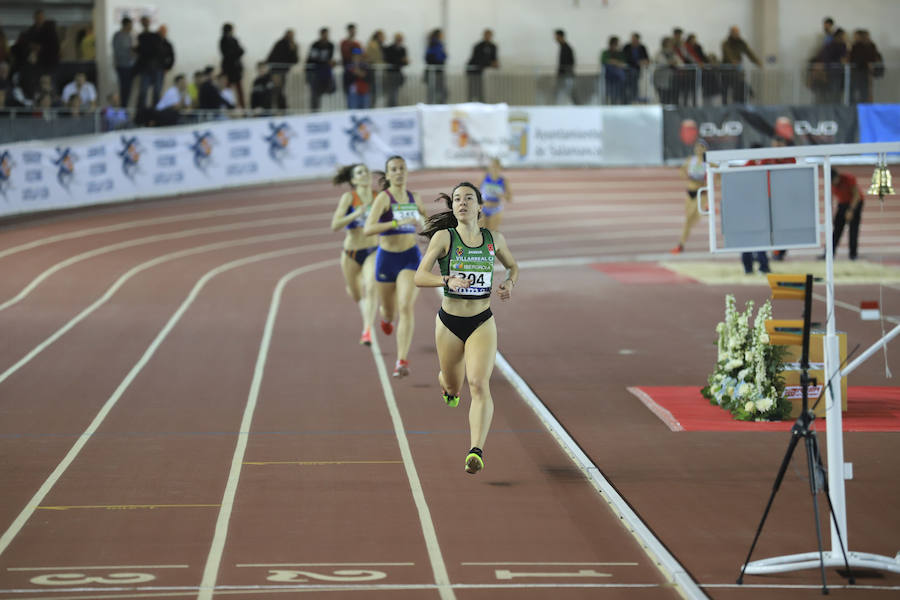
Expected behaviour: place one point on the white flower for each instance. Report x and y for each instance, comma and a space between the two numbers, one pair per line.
744, 390
733, 364
764, 404
749, 407
742, 374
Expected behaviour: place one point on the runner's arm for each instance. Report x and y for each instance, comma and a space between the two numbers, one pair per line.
379, 206
341, 219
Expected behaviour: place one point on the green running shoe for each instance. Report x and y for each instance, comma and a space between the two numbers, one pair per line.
474, 461
451, 401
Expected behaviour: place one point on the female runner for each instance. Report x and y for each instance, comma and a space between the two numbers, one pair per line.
495, 191
465, 333
358, 257
394, 216
694, 170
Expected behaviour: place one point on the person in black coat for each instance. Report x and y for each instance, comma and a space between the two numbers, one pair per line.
484, 55
231, 61
636, 58
148, 64
284, 54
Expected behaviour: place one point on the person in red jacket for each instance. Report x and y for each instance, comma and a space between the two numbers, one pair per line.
850, 198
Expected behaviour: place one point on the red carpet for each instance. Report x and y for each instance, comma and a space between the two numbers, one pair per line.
684, 409
640, 273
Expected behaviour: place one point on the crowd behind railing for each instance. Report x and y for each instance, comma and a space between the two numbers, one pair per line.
353, 76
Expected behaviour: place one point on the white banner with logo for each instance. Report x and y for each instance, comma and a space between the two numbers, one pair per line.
585, 135
145, 163
463, 135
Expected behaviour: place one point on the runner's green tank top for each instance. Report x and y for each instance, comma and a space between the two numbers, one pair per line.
475, 264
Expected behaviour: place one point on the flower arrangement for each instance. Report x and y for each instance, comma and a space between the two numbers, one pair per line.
747, 379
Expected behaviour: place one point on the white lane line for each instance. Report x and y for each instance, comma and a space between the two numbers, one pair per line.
438, 567
214, 558
206, 214
50, 271
143, 267
664, 415
550, 564
660, 556
32, 505
343, 564
97, 568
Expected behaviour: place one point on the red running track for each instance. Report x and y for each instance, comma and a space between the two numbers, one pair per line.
186, 413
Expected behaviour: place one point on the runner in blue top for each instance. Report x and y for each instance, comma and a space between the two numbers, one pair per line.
395, 214
465, 333
494, 191
358, 255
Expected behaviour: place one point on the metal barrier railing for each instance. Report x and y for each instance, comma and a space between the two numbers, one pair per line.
307, 90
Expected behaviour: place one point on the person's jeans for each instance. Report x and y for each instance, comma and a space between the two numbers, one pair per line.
437, 92
476, 85
761, 257
126, 79
151, 78
356, 101
565, 88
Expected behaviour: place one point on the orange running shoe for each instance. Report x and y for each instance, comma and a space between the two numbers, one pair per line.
387, 327
677, 249
401, 369
366, 339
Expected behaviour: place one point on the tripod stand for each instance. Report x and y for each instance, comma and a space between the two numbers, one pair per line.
817, 477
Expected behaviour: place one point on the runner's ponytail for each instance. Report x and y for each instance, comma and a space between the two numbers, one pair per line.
441, 220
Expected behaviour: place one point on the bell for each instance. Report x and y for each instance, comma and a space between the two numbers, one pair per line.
881, 181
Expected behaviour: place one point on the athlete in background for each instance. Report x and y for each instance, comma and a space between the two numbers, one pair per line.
358, 255
394, 216
494, 191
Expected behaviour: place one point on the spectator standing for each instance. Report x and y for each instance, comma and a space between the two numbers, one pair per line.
484, 55
866, 63
374, 58
565, 70
359, 91
167, 52
84, 89
396, 59
684, 74
435, 57
231, 61
733, 50
284, 54
666, 63
319, 64
835, 55
636, 58
5, 55
43, 34
123, 58
613, 61
148, 64
347, 46
87, 47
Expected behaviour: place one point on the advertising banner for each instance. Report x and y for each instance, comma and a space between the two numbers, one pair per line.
556, 135
369, 137
879, 122
145, 163
731, 127
463, 135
